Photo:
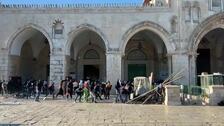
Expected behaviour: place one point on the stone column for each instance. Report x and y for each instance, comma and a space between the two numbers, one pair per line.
4, 64
56, 68
57, 61
180, 62
172, 96
113, 67
193, 69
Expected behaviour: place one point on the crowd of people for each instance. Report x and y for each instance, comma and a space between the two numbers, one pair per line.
79, 91
84, 91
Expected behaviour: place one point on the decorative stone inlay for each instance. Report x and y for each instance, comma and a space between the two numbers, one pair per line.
58, 28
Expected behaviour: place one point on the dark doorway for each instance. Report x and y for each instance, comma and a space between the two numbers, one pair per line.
91, 72
203, 61
135, 70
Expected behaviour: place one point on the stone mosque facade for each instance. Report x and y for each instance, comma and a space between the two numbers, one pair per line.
112, 41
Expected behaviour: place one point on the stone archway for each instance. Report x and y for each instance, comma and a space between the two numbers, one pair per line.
79, 29
150, 56
154, 52
29, 53
10, 44
151, 26
81, 41
202, 45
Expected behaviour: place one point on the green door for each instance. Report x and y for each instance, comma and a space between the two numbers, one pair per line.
135, 70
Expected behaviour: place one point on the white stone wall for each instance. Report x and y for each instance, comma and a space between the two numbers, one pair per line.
115, 26
216, 94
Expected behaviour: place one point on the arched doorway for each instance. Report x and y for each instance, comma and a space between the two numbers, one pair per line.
210, 51
87, 58
145, 52
29, 55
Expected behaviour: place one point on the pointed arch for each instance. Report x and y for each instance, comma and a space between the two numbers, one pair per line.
211, 23
75, 32
12, 43
146, 25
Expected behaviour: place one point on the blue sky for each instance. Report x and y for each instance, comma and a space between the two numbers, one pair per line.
67, 1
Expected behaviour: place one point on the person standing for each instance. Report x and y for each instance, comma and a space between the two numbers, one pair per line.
79, 92
38, 88
75, 85
97, 91
61, 92
49, 90
108, 89
69, 89
85, 92
4, 87
118, 88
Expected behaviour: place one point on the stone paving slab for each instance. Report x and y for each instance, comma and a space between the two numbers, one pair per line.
63, 113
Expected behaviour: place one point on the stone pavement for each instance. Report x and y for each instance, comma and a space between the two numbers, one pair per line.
65, 112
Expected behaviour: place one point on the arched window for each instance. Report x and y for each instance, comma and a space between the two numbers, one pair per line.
137, 55
91, 54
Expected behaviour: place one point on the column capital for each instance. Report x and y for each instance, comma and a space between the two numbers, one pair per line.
4, 50
188, 53
57, 51
193, 53
114, 52
177, 53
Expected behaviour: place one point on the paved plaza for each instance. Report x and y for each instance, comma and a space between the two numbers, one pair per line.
66, 112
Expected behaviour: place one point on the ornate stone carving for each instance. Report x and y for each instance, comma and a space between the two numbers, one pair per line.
215, 5
174, 24
58, 28
187, 11
91, 54
137, 55
196, 12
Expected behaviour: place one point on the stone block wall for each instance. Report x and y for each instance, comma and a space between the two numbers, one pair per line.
172, 96
57, 68
4, 65
216, 94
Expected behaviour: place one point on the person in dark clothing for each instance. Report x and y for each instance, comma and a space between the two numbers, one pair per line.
108, 89
49, 90
1, 89
78, 92
118, 88
97, 91
69, 89
103, 90
30, 88
45, 89
38, 88
61, 91
75, 85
